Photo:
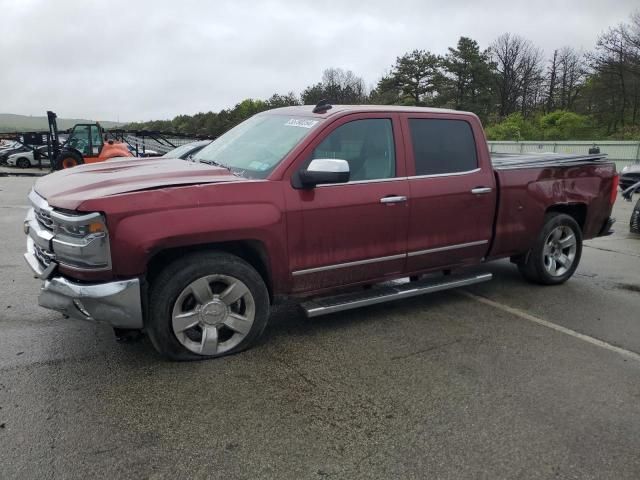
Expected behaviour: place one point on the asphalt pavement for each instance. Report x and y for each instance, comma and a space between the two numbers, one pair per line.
501, 380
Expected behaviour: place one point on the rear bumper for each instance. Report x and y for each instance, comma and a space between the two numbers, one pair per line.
606, 227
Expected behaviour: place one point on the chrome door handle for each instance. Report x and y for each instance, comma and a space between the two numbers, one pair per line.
393, 199
481, 190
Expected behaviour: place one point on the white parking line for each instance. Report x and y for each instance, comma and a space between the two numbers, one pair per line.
553, 326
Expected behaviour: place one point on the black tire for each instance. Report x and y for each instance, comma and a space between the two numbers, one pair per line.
68, 159
634, 223
533, 267
23, 162
170, 283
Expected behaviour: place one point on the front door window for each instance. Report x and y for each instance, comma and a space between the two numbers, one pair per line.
367, 145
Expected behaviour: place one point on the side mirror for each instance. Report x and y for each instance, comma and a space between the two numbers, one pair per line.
322, 171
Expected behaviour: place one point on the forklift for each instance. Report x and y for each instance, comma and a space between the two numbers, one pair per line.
87, 143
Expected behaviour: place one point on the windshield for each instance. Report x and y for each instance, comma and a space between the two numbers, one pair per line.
256, 146
182, 150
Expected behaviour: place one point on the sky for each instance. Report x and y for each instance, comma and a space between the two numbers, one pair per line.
154, 59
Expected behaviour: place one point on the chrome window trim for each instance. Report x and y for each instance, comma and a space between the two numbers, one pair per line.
447, 247
385, 259
358, 182
413, 177
451, 174
348, 264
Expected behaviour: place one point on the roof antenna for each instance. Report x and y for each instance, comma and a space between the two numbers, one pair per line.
322, 106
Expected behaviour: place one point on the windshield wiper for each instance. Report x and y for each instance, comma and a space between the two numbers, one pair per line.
218, 164
212, 162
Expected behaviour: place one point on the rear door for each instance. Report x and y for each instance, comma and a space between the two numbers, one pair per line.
357, 231
452, 190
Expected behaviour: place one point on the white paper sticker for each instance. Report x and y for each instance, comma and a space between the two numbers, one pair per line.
295, 122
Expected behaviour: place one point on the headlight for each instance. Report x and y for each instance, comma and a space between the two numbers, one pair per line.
81, 241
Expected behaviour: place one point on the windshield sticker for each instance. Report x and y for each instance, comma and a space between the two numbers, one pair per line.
259, 166
295, 122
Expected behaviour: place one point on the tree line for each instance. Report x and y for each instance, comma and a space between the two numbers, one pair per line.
517, 92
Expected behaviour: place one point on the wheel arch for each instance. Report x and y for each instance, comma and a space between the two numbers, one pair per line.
254, 252
578, 211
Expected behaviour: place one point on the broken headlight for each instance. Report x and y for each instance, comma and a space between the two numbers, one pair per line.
81, 241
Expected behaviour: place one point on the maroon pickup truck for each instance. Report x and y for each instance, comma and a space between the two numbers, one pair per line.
335, 204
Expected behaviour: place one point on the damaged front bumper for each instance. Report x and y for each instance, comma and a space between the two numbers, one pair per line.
116, 303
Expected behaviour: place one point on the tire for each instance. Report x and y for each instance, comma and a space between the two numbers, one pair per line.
554, 257
68, 159
183, 312
634, 223
23, 162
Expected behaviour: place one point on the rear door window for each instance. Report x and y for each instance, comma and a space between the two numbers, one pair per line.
442, 146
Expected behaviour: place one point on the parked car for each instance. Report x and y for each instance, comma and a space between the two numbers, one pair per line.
148, 153
627, 194
184, 151
629, 175
305, 202
4, 153
8, 145
25, 158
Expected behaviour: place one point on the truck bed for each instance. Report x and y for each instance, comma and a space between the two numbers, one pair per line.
505, 161
529, 183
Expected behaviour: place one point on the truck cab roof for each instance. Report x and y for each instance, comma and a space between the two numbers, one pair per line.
335, 110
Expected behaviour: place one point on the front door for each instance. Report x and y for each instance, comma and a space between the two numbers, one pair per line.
452, 187
357, 231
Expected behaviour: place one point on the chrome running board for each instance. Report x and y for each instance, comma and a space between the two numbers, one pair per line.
386, 293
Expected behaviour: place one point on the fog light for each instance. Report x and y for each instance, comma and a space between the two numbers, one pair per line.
80, 307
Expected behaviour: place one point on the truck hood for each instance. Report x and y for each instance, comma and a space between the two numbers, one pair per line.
70, 187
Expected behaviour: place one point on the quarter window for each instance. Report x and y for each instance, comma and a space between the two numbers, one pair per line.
442, 146
367, 145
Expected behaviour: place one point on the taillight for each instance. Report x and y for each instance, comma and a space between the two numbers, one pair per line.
614, 188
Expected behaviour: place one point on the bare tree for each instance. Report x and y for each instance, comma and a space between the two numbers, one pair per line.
518, 65
572, 75
552, 80
616, 76
338, 86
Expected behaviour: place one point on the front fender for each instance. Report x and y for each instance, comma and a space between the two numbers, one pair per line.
146, 223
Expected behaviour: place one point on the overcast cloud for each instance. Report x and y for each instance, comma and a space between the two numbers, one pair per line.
151, 59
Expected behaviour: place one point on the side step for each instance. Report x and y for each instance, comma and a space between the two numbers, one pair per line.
386, 293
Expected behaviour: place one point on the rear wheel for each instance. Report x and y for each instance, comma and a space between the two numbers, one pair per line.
68, 159
23, 162
206, 305
556, 252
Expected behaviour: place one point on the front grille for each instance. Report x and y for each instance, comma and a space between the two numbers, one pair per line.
43, 218
45, 257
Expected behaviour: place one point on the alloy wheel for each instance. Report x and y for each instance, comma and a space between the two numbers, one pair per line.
213, 314
559, 252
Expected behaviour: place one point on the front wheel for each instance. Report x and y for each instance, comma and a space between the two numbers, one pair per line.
23, 163
206, 305
556, 252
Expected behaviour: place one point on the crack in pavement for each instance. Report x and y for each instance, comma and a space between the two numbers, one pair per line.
614, 251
